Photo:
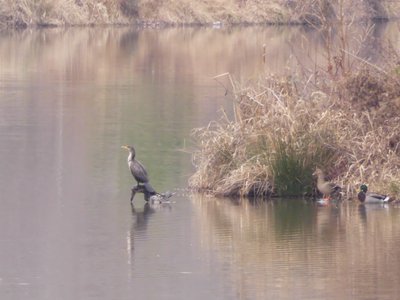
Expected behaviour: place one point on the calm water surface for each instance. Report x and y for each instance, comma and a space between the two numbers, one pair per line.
70, 98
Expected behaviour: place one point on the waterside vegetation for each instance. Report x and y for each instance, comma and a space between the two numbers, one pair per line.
342, 116
29, 13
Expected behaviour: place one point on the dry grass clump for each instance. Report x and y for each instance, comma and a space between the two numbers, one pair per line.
281, 132
312, 12
209, 11
372, 91
23, 13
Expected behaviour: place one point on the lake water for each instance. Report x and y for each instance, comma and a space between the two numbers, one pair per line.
69, 98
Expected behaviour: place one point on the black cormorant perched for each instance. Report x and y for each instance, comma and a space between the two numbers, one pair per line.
138, 171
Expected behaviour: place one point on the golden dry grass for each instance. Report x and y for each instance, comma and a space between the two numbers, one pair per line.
22, 13
156, 12
209, 11
284, 128
99, 12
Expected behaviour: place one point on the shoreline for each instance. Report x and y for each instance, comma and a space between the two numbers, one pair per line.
167, 25
184, 13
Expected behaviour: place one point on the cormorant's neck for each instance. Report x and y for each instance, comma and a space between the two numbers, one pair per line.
131, 156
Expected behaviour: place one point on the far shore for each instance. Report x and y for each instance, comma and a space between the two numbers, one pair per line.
184, 13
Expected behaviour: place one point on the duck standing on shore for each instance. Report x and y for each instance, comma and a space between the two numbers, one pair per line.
327, 188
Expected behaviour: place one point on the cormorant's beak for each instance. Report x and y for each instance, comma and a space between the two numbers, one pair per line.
125, 147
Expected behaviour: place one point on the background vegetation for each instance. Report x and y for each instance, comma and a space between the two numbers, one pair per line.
22, 13
343, 116
285, 127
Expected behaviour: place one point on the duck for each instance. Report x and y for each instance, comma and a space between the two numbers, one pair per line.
327, 188
367, 197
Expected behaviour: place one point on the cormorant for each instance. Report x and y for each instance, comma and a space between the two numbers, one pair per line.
138, 171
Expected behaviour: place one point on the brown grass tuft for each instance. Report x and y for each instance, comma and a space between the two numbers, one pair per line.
281, 133
24, 13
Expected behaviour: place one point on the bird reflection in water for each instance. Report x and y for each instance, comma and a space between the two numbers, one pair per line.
142, 216
140, 220
362, 212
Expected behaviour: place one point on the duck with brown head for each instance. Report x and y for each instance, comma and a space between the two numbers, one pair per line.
327, 188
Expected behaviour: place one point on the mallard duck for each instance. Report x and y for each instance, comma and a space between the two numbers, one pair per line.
327, 188
367, 197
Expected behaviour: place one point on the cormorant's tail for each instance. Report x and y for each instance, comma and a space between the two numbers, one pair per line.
149, 188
